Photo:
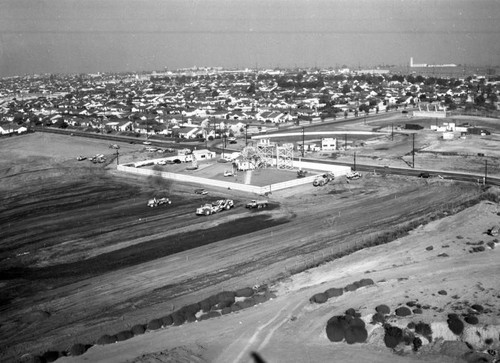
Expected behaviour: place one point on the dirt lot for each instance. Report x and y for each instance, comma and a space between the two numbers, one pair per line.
81, 255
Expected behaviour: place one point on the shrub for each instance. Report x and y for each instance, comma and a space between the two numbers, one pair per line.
205, 305
442, 292
138, 329
352, 287
378, 318
226, 310
259, 299
213, 314
417, 343
236, 307
334, 329
393, 336
124, 335
248, 302
154, 324
417, 311
178, 318
471, 319
334, 292
456, 325
319, 298
50, 356
77, 349
167, 320
352, 313
191, 309
403, 311
366, 282
244, 292
410, 304
383, 309
411, 325
424, 330
106, 339
478, 308
355, 334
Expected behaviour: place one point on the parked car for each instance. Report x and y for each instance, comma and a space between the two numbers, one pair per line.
200, 191
424, 174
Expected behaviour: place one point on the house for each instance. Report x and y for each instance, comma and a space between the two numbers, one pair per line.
7, 128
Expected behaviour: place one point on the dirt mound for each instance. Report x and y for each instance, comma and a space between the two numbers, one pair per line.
179, 355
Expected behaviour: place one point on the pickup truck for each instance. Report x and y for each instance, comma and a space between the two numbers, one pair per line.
257, 204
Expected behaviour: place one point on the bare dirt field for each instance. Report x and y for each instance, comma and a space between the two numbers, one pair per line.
82, 255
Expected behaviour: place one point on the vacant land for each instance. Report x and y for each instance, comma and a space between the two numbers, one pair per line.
82, 255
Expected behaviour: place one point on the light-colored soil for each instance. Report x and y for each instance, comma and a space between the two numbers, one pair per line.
322, 222
290, 328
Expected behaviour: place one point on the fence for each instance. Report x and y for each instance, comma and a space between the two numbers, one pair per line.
337, 170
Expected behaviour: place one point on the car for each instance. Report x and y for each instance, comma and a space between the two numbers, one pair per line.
147, 142
200, 191
80, 158
424, 174
233, 142
228, 173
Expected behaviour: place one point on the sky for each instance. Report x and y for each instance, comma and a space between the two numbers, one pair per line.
90, 36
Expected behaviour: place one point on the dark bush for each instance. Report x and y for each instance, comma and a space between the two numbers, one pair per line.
225, 296
167, 320
124, 335
106, 339
226, 310
138, 329
417, 311
178, 318
453, 316
378, 318
411, 304
352, 287
411, 325
154, 324
245, 292
191, 318
403, 311
319, 298
203, 317
191, 309
77, 349
355, 334
356, 322
50, 356
417, 343
366, 282
35, 359
334, 292
259, 299
456, 325
335, 329
471, 319
424, 330
478, 308
442, 292
205, 305
383, 309
393, 336
248, 302
430, 248
491, 244
213, 314
236, 306
408, 337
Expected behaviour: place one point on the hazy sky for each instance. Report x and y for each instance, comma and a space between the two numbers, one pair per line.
82, 36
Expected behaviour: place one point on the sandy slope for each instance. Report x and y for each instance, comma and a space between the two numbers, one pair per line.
291, 329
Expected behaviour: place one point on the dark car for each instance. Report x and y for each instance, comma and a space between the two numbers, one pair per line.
424, 174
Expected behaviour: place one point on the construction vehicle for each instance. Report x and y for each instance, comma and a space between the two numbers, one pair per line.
324, 179
215, 207
257, 204
155, 202
353, 175
301, 173
99, 158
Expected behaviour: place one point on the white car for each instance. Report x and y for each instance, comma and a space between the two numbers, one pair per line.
228, 173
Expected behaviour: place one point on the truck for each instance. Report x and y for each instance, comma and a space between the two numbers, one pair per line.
215, 207
257, 204
353, 175
155, 202
324, 179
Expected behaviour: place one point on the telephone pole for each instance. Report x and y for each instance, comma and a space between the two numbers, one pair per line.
303, 142
485, 171
413, 152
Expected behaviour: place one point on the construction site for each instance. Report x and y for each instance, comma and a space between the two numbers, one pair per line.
179, 256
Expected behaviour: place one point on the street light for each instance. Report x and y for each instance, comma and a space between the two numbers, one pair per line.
246, 135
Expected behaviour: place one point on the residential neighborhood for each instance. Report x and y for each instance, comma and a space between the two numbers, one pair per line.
205, 103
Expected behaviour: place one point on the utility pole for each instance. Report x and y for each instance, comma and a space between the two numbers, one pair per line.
392, 132
117, 162
246, 135
413, 152
345, 141
354, 167
303, 142
485, 172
